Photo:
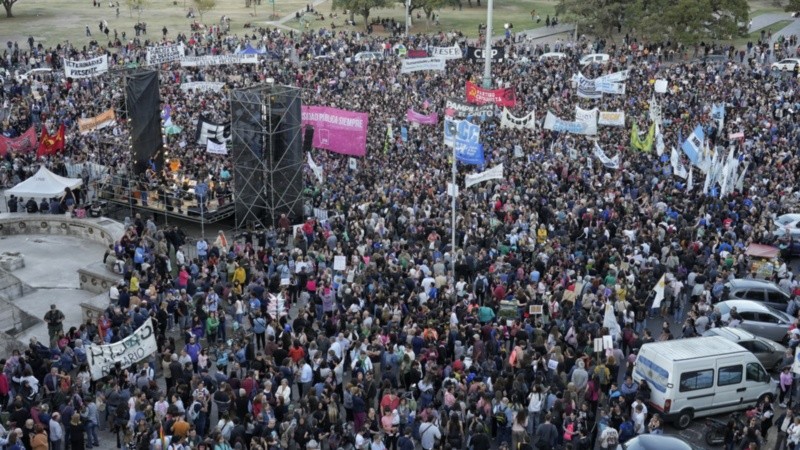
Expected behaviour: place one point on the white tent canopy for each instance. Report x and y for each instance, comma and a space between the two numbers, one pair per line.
43, 184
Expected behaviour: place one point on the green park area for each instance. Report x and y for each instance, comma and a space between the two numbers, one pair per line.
57, 21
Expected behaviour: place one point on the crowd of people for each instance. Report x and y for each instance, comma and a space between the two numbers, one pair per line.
262, 345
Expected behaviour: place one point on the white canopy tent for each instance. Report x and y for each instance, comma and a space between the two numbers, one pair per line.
43, 184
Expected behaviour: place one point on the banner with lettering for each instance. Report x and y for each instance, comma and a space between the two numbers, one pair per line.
501, 97
478, 54
202, 86
495, 173
337, 130
610, 163
420, 64
97, 122
462, 110
611, 118
87, 68
424, 119
218, 60
21, 144
589, 117
157, 55
417, 53
464, 137
134, 348
216, 147
453, 52
206, 129
527, 121
551, 122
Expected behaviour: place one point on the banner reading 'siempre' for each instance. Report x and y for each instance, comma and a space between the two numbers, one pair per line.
338, 130
134, 348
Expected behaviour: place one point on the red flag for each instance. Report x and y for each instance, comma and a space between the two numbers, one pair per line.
49, 145
21, 144
500, 97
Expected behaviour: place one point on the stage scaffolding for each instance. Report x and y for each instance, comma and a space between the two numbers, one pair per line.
267, 155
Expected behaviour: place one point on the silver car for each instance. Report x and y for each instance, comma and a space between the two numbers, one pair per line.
757, 318
770, 353
760, 291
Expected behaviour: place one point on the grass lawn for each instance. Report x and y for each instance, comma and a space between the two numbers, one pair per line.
465, 20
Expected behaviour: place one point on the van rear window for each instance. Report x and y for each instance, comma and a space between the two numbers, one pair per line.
729, 375
695, 380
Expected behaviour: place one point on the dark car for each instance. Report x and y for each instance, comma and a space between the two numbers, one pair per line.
655, 442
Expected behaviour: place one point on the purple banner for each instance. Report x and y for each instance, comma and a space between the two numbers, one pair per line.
338, 130
430, 119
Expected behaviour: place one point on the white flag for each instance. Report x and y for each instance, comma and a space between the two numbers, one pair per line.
494, 173
452, 190
315, 168
659, 140
689, 181
610, 321
659, 290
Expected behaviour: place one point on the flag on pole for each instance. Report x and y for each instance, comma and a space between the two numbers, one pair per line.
610, 321
49, 145
689, 183
659, 290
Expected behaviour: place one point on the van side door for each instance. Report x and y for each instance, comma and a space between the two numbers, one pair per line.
730, 387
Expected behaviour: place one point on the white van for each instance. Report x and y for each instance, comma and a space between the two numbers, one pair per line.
552, 55
594, 58
700, 377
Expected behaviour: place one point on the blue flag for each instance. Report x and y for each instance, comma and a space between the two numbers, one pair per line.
468, 148
694, 145
718, 111
404, 134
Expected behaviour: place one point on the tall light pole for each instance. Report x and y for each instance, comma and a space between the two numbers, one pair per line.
408, 5
487, 54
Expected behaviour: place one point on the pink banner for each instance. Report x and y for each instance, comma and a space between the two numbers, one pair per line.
430, 119
338, 130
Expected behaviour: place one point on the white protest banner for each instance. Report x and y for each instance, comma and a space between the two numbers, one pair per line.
452, 190
157, 55
134, 348
316, 169
86, 68
527, 121
554, 123
352, 163
217, 60
615, 77
494, 173
589, 117
215, 147
661, 86
611, 163
611, 118
202, 86
453, 52
420, 64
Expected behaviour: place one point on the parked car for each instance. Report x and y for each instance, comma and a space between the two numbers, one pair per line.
365, 56
31, 74
786, 64
757, 290
758, 318
655, 442
552, 55
594, 58
770, 353
787, 224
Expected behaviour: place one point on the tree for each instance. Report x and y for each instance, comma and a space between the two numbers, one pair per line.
360, 7
429, 6
689, 21
792, 6
599, 18
138, 5
7, 4
204, 6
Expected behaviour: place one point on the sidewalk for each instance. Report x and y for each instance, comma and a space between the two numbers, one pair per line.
542, 32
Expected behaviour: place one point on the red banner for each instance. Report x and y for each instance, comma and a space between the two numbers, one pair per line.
21, 144
49, 145
417, 54
500, 97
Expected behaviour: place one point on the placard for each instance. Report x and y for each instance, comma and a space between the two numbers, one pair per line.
598, 345
536, 310
339, 262
608, 342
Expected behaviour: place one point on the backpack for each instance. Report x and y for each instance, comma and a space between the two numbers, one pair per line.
480, 286
194, 411
602, 374
500, 417
626, 431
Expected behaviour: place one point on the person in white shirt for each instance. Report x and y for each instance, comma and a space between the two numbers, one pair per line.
639, 416
306, 378
428, 434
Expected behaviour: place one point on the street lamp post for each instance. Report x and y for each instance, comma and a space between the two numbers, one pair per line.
408, 5
487, 54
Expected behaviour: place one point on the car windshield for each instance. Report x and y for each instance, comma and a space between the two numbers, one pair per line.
785, 220
723, 308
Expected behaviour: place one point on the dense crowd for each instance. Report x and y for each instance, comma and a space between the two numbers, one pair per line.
262, 345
